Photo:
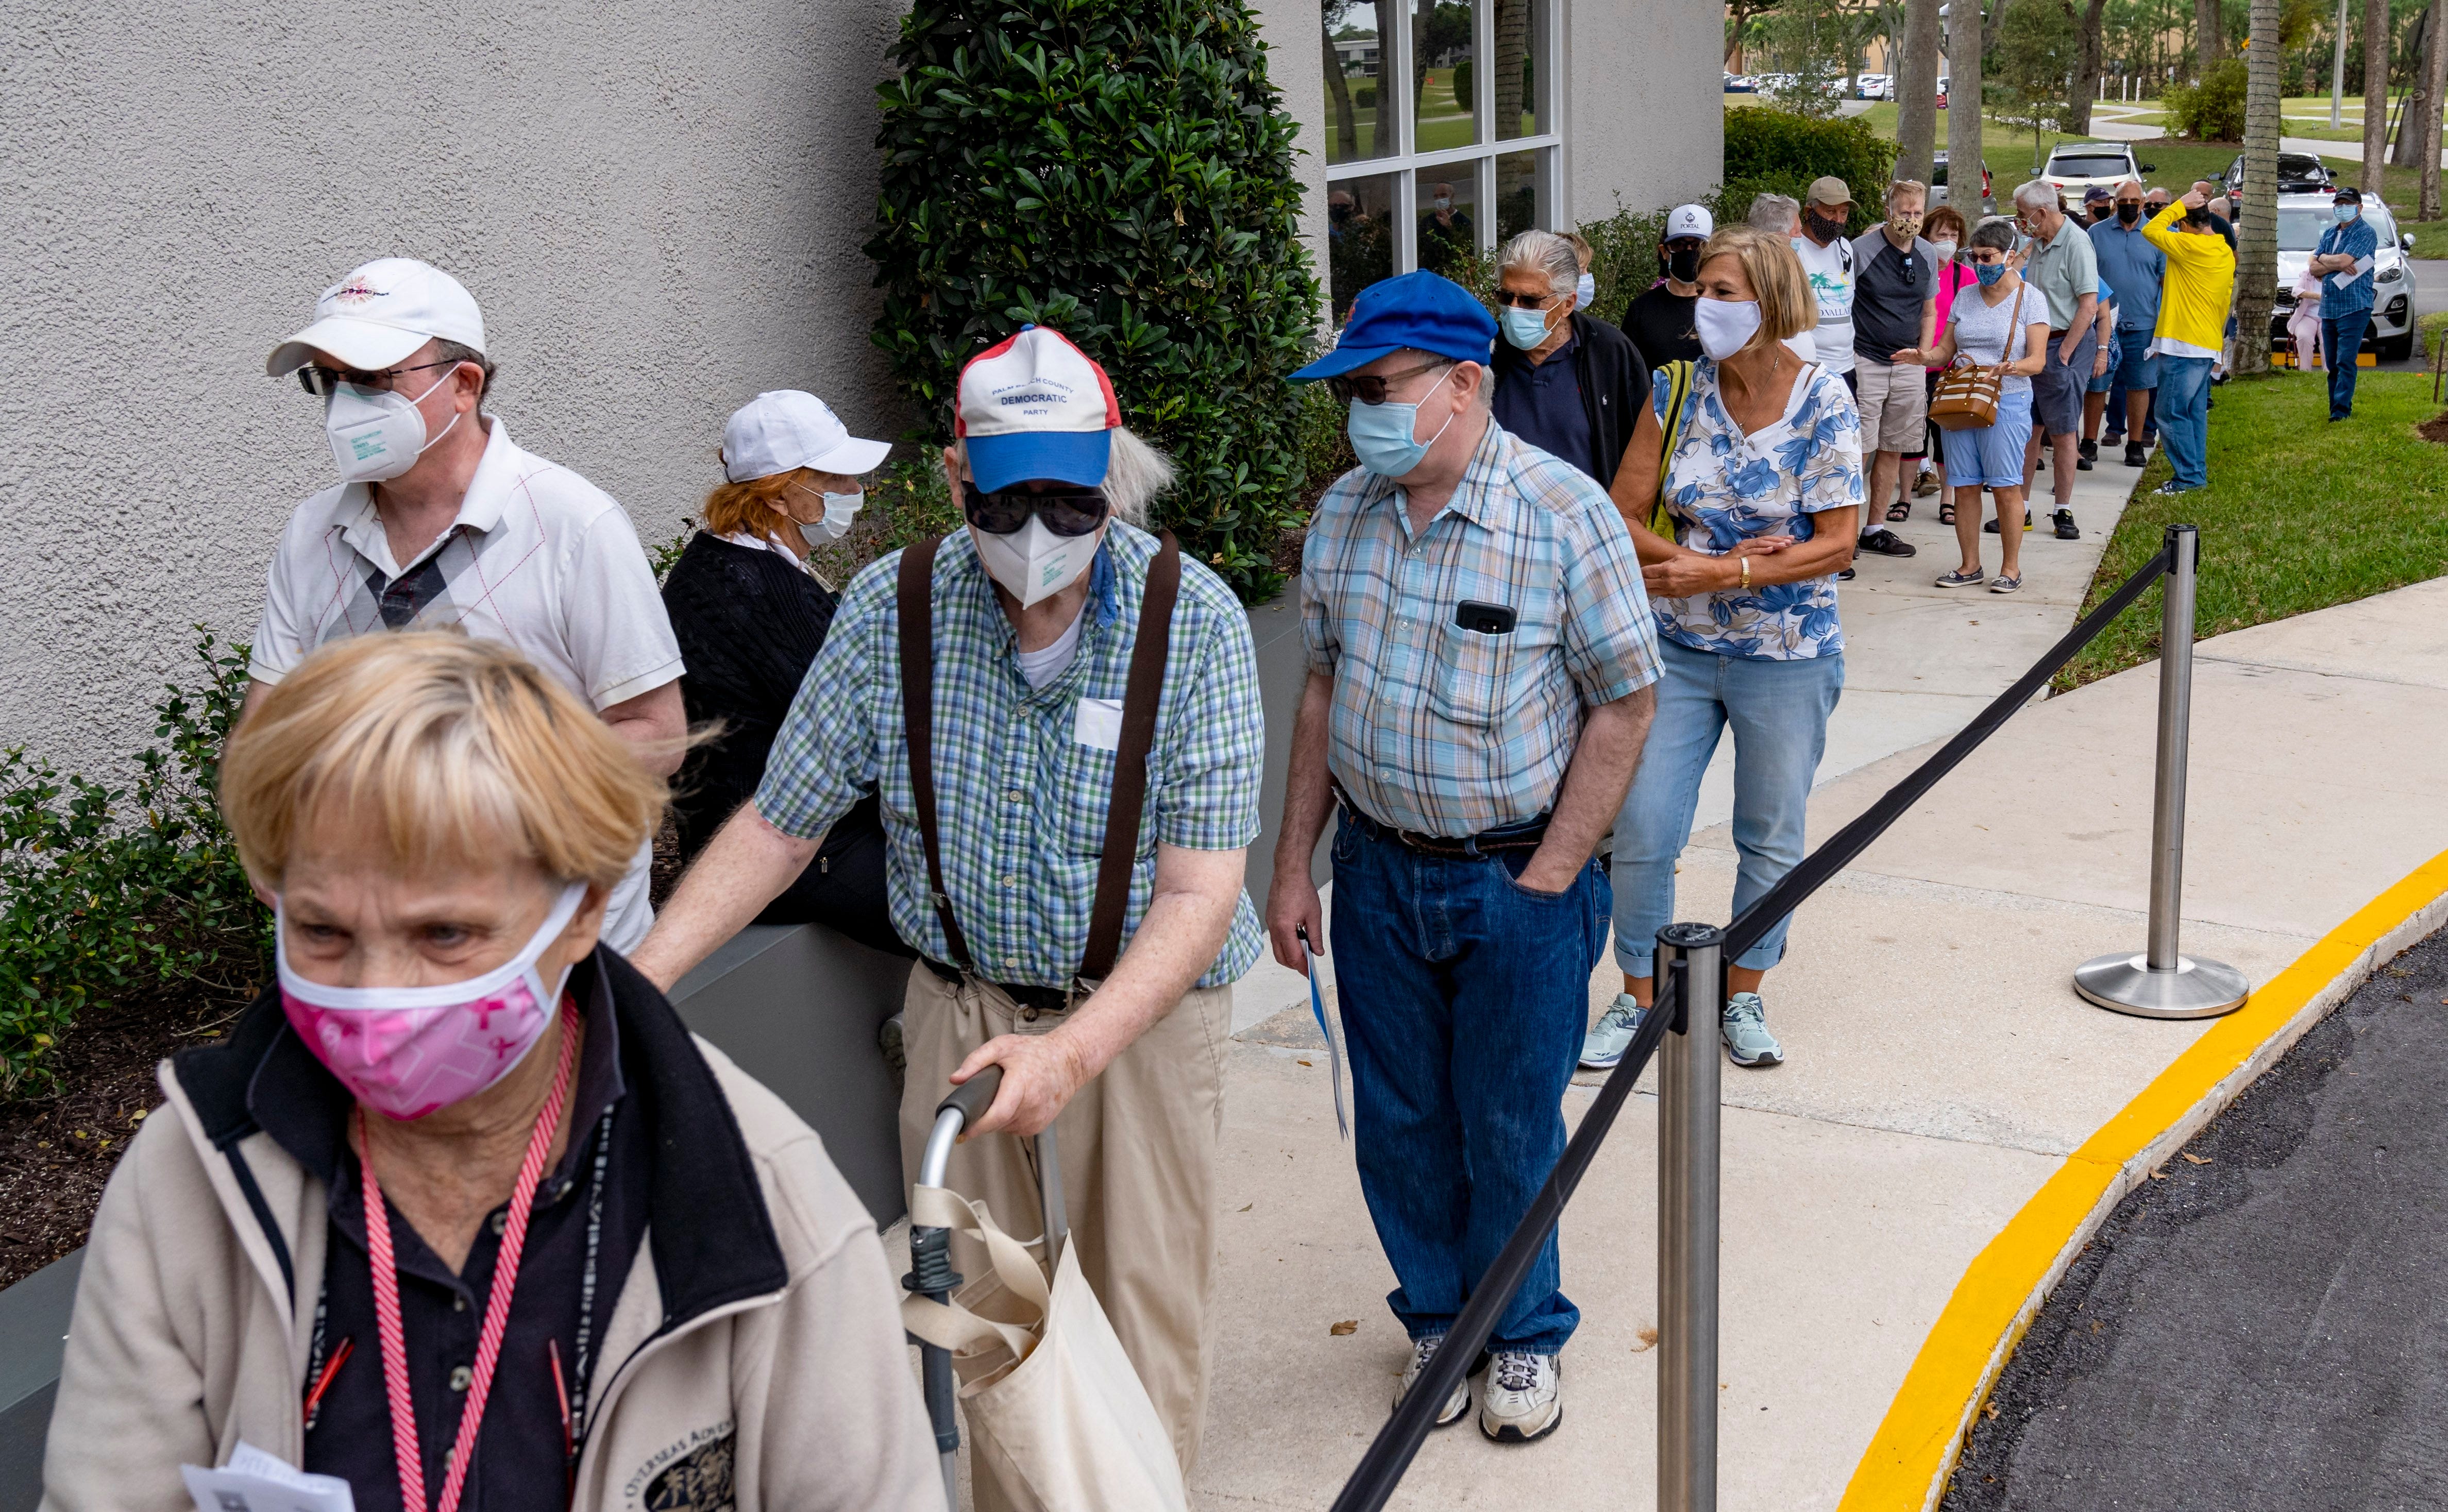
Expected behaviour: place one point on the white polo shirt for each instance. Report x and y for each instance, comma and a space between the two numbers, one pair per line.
538, 557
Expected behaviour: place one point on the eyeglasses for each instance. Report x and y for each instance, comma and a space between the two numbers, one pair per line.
1373, 389
1066, 511
324, 382
1508, 300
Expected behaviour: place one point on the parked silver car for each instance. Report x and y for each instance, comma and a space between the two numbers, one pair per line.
2302, 218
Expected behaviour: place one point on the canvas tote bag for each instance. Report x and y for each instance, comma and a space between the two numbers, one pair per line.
1968, 393
1054, 1407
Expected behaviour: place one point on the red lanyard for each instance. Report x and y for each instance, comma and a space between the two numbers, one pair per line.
497, 1298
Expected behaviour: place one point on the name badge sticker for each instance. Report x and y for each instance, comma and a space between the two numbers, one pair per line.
1099, 723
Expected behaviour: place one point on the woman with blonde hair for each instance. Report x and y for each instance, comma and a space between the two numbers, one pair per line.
750, 613
459, 1213
1764, 483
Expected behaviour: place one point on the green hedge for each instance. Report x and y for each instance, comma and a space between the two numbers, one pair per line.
2212, 110
1773, 151
1120, 170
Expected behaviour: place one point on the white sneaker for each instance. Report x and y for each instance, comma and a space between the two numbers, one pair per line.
1423, 1350
1521, 1404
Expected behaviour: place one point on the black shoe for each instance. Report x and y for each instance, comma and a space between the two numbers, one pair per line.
2134, 457
1844, 576
2064, 521
2335, 418
2090, 450
2171, 488
1887, 543
2112, 440
1991, 527
2082, 464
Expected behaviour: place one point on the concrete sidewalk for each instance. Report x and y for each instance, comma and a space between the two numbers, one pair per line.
1940, 1068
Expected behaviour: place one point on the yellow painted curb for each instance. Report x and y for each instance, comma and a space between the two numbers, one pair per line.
1914, 1450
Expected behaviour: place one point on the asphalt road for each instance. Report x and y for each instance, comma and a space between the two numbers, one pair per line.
2268, 1328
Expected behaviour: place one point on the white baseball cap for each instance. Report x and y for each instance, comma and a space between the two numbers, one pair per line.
785, 428
1690, 221
382, 312
1034, 406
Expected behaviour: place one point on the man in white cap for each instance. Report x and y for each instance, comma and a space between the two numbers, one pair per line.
439, 519
1066, 849
1660, 321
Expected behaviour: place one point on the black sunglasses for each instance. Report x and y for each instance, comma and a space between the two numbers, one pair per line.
1521, 301
1066, 511
1371, 388
324, 382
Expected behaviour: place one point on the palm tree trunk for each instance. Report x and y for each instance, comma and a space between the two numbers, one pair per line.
2209, 46
2436, 76
2256, 273
1916, 74
2421, 103
2377, 36
1346, 120
1963, 108
1512, 49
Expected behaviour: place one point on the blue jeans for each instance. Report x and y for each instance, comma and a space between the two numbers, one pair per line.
1779, 712
2342, 339
2134, 368
2185, 416
1465, 998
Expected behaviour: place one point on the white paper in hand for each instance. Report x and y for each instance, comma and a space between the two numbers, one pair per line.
256, 1482
1334, 1039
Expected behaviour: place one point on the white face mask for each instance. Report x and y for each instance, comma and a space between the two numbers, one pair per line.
1725, 326
376, 433
840, 510
1945, 250
1033, 562
1585, 291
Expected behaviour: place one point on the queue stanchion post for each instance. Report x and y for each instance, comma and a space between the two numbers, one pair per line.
1687, 1116
2161, 981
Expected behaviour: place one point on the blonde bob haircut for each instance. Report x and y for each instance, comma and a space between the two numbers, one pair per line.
1787, 307
439, 748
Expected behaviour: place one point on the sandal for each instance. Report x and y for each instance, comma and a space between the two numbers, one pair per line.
1947, 512
1898, 511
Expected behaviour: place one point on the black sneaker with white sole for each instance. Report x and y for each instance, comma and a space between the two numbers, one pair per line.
1886, 543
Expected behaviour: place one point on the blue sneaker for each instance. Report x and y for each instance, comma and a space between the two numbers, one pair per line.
1612, 1035
1745, 1027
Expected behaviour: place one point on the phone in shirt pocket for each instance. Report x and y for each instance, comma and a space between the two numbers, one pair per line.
1474, 661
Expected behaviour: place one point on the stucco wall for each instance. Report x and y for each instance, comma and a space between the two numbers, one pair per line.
660, 208
1647, 113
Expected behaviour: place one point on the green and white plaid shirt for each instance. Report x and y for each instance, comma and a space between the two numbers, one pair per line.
1438, 728
1020, 798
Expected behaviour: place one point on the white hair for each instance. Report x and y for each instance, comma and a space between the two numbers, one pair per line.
2122, 184
2038, 192
1136, 473
1543, 252
1776, 214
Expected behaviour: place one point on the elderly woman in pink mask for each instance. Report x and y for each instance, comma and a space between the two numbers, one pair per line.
460, 1214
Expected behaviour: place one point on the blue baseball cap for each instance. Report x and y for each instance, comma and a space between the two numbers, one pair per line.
1419, 310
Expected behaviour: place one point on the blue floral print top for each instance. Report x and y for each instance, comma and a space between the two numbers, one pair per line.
1724, 488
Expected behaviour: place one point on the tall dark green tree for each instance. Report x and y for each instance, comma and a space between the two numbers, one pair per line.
1120, 170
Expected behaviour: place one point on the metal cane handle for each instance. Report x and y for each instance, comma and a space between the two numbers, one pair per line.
971, 1098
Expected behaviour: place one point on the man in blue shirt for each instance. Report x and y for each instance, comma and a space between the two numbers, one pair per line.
2128, 260
2344, 261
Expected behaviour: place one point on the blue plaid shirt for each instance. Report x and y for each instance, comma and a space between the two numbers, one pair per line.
2351, 291
1440, 729
1020, 798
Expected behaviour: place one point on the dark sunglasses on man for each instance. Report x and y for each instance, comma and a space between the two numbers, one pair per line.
1067, 511
1372, 387
324, 382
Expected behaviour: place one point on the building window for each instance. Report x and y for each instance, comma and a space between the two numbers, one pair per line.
1426, 170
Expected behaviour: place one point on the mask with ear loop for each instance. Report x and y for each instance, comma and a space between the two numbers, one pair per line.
376, 433
841, 511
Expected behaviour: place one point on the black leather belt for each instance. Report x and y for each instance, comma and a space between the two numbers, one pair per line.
1522, 836
1042, 1000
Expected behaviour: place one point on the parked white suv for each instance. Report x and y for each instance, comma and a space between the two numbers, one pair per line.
2079, 166
2302, 218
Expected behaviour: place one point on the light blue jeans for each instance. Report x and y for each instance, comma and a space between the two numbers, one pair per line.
1779, 712
2185, 417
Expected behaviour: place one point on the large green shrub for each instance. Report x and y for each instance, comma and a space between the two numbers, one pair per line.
108, 893
2212, 110
1773, 151
1120, 170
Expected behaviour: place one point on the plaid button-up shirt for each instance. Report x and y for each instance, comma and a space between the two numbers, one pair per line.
1439, 728
1020, 797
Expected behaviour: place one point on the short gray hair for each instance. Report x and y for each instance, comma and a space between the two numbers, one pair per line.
1136, 473
1776, 214
2037, 192
1543, 252
2123, 183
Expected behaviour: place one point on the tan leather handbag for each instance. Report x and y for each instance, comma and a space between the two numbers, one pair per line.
1967, 393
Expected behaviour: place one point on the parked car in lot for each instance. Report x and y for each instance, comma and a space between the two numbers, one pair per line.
1938, 184
2298, 173
2075, 166
2302, 218
1875, 86
1741, 84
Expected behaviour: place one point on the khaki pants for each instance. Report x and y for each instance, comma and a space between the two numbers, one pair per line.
1138, 1147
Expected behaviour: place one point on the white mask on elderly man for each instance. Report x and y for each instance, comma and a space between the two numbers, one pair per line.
1033, 562
376, 433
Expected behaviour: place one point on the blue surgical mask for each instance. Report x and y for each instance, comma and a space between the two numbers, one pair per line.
1988, 273
1523, 328
2345, 212
1382, 437
1587, 290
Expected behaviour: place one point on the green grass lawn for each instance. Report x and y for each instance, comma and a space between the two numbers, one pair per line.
2300, 514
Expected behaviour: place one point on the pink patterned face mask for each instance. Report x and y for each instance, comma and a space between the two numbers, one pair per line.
407, 1052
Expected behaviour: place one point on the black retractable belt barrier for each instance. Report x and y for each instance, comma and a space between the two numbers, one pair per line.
1390, 1456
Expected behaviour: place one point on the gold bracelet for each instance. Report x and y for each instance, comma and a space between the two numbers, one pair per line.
1746, 571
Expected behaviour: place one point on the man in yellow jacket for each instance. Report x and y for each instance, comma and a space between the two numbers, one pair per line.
2192, 322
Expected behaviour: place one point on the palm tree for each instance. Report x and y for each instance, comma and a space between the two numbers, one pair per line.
2256, 274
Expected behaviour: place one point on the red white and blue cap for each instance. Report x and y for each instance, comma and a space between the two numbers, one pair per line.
1033, 406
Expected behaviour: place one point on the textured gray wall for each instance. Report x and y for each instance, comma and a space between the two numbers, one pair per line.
659, 206
1646, 119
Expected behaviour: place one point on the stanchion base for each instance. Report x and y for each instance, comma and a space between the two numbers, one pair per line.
2196, 989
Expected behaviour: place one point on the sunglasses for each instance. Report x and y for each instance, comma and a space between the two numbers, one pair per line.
1508, 300
1066, 511
1373, 389
324, 382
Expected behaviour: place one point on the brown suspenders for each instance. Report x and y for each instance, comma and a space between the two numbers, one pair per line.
1140, 693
